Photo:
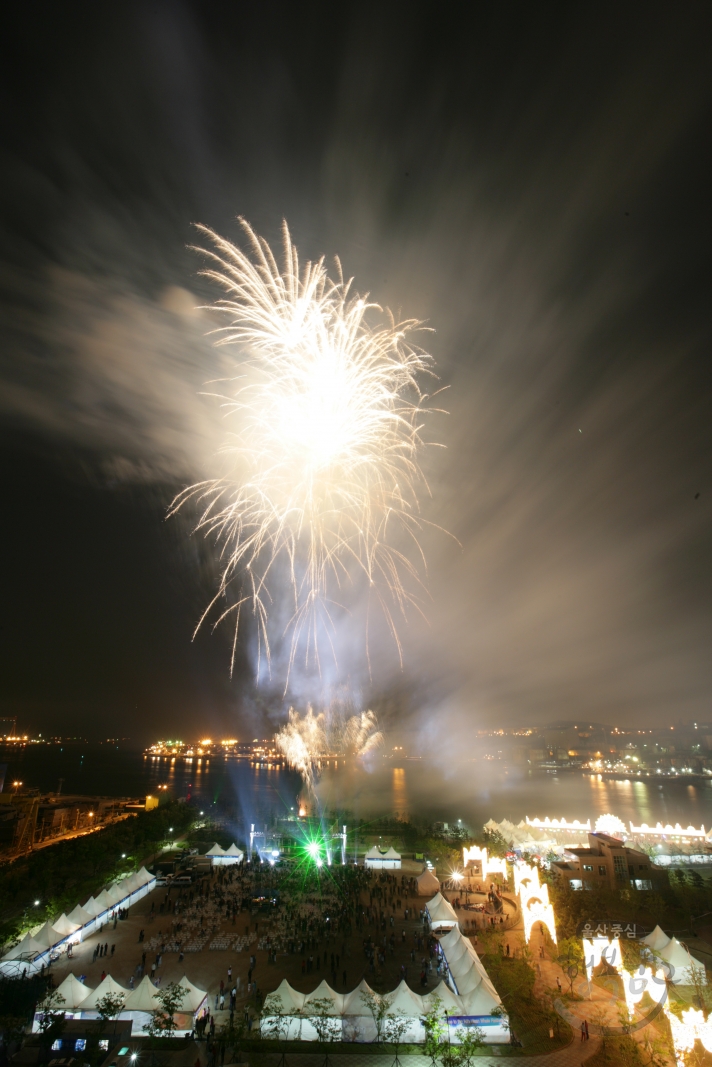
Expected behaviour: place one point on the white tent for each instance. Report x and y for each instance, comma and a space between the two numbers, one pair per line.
223, 859
656, 940
142, 883
323, 992
215, 851
92, 908
74, 993
284, 1001
80, 916
684, 968
140, 1003
27, 947
48, 936
194, 997
66, 927
440, 912
103, 903
389, 860
448, 1001
115, 894
88, 1008
404, 1002
129, 885
287, 998
142, 998
353, 1018
471, 981
427, 883
25, 958
354, 1002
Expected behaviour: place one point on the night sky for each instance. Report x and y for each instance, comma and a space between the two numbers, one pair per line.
534, 181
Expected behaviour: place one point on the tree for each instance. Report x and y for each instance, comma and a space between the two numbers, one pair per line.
326, 1024
275, 1023
395, 1026
109, 1007
162, 1022
570, 959
471, 1040
435, 1029
656, 1050
378, 1007
52, 1022
170, 999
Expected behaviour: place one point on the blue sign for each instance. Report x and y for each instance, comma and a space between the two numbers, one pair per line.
475, 1020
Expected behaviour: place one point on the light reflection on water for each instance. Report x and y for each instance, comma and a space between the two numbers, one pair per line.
476, 792
473, 791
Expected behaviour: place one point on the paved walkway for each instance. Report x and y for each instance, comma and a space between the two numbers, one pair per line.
572, 1056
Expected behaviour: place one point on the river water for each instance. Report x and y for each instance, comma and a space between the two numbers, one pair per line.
473, 791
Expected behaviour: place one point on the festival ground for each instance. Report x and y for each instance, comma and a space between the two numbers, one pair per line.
283, 940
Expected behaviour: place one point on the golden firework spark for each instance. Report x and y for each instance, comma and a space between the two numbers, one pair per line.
304, 741
324, 417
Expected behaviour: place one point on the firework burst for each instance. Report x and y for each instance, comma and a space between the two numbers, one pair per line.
305, 740
323, 423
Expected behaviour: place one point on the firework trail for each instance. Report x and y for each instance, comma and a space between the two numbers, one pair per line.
323, 427
305, 741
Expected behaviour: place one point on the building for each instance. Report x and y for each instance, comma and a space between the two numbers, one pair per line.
607, 862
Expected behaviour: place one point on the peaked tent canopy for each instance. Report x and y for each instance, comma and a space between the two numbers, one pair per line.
686, 970
65, 926
291, 1000
143, 997
74, 993
27, 947
427, 883
194, 996
376, 858
116, 893
103, 902
234, 851
79, 915
215, 850
129, 885
354, 1002
480, 1001
440, 912
48, 936
448, 1000
405, 1002
92, 908
657, 939
107, 986
324, 992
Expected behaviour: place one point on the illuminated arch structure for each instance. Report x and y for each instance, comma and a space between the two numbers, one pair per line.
692, 1027
534, 900
489, 864
601, 950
